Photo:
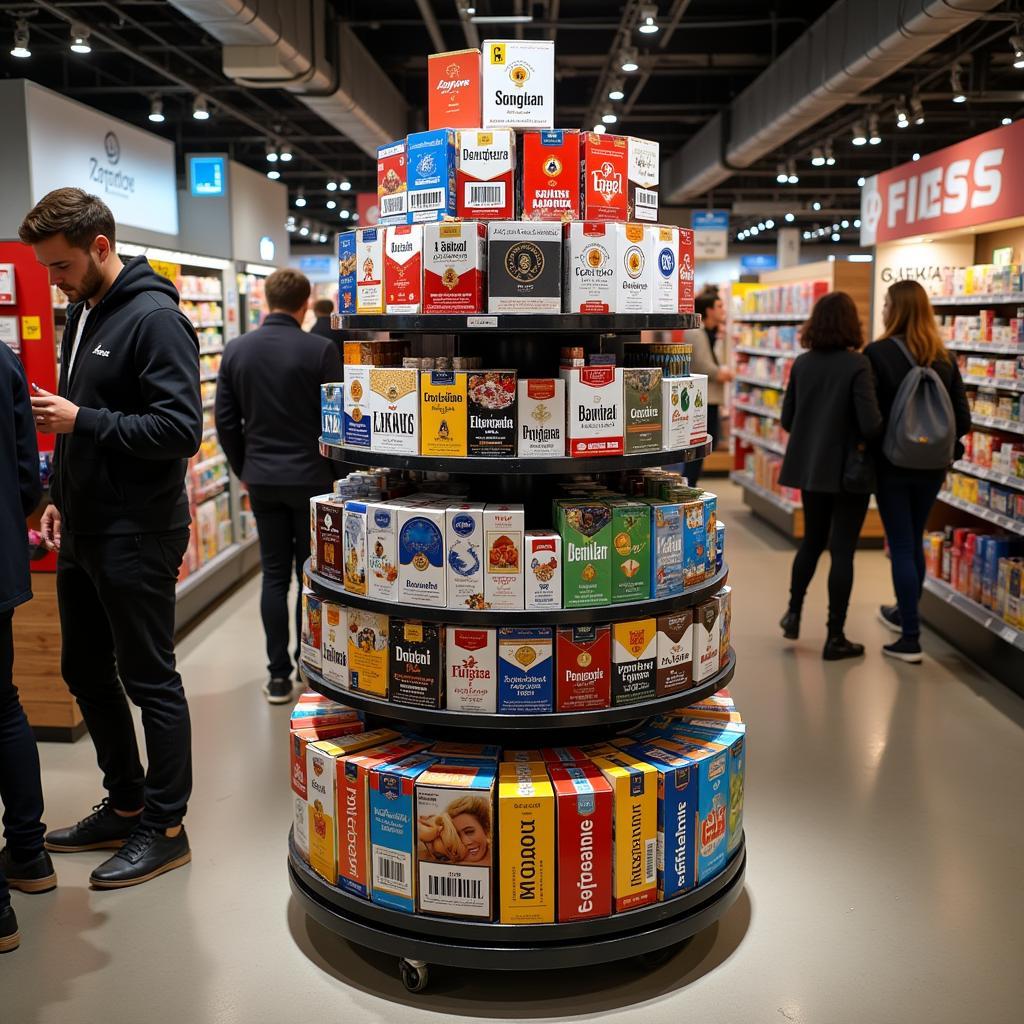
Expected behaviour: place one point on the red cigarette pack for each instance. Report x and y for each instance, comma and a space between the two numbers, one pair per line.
453, 80
583, 674
403, 269
551, 175
686, 270
604, 164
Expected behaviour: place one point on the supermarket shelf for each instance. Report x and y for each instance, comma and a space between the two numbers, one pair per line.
986, 346
747, 482
994, 384
773, 446
758, 382
989, 474
975, 611
215, 351
689, 597
524, 323
995, 298
561, 721
210, 491
213, 460
759, 410
752, 350
209, 323
1012, 525
207, 378
514, 467
196, 297
997, 423
197, 592
208, 404
771, 318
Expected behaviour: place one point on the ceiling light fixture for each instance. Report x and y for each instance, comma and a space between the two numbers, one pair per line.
1017, 45
628, 59
856, 223
20, 47
80, 38
345, 185
615, 89
286, 152
917, 109
300, 199
860, 181
355, 217
830, 157
835, 237
344, 214
790, 217
1007, 120
781, 175
793, 176
754, 230
873, 137
817, 157
273, 174
156, 109
332, 186
916, 157
272, 154
807, 235
599, 129
501, 19
648, 19
200, 111
902, 117
304, 230
859, 136
956, 84
331, 204
844, 224
769, 224
609, 117
815, 205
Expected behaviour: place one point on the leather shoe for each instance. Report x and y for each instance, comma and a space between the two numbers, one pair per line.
34, 876
790, 623
104, 829
838, 647
147, 854
10, 939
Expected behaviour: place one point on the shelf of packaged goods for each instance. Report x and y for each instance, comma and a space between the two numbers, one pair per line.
971, 469
196, 297
747, 481
215, 351
201, 494
994, 384
758, 382
522, 323
978, 613
515, 467
209, 323
773, 446
208, 403
758, 410
986, 346
207, 378
752, 350
1013, 525
689, 597
484, 945
210, 432
197, 591
771, 318
997, 423
996, 299
559, 720
213, 460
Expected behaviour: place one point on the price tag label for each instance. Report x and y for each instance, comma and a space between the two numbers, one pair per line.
481, 321
1008, 633
169, 270
31, 328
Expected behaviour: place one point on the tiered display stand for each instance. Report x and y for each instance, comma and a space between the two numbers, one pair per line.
529, 344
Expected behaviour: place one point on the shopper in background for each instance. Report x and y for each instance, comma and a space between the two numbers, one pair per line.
322, 309
831, 412
127, 418
24, 864
268, 420
710, 356
906, 494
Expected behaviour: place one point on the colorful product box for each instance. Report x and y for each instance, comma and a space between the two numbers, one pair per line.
526, 829
543, 575
331, 405
334, 643
593, 410
416, 664
586, 530
635, 278
634, 661
665, 255
464, 541
354, 547
525, 670
707, 640
486, 175
676, 415
583, 668
432, 170
697, 388
381, 551
421, 561
504, 584
724, 597
541, 418
454, 824
630, 550
674, 670
395, 411
524, 267
592, 266
312, 626
523, 756
328, 538
464, 753
604, 167
551, 175
719, 544
392, 183
584, 809
454, 267
641, 396
471, 660
358, 422
564, 755
642, 180
403, 269
492, 414
368, 653
454, 89
346, 272
518, 83
443, 412
698, 540
686, 270
370, 269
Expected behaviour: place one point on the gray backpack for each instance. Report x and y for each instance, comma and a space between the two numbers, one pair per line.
922, 426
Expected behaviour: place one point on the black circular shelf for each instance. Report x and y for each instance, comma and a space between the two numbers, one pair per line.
524, 323
520, 723
495, 946
515, 467
527, 617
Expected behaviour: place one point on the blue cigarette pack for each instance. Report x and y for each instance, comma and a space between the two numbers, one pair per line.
666, 548
526, 671
330, 411
347, 272
432, 169
699, 538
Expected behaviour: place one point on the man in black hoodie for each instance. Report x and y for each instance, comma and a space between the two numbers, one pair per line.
128, 416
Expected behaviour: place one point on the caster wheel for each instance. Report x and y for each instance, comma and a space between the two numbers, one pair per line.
415, 976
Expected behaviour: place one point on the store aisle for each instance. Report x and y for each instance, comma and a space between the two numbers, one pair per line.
884, 831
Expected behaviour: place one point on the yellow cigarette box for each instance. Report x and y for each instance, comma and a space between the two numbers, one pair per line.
526, 829
443, 415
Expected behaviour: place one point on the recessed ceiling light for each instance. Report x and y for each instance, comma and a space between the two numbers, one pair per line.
156, 110
200, 111
80, 39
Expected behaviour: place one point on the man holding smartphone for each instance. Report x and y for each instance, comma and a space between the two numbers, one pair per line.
128, 416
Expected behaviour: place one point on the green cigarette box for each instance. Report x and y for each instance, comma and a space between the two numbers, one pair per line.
586, 529
630, 550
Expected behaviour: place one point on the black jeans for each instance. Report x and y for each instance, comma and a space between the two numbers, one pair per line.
904, 505
282, 522
833, 521
21, 791
116, 600
692, 470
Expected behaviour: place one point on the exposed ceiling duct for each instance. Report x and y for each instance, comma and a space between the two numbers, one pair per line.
853, 46
278, 44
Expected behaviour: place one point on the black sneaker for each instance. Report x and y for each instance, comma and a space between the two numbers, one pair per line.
905, 649
10, 940
147, 854
278, 691
790, 623
34, 876
104, 829
889, 616
838, 647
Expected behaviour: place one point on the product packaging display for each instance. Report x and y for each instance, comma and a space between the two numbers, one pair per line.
421, 561
636, 272
454, 267
370, 270
541, 418
403, 269
454, 89
432, 171
395, 410
586, 530
504, 584
525, 670
630, 550
675, 652
707, 641
487, 175
634, 661
471, 658
724, 597
518, 83
526, 832
642, 411
416, 664
583, 668
697, 388
593, 403
381, 551
357, 426
551, 175
392, 185
543, 575
354, 547
311, 639
443, 411
604, 165
334, 643
667, 547
592, 266
368, 653
524, 267
330, 558
686, 270
665, 255
492, 414
643, 176
464, 543
346, 272
331, 410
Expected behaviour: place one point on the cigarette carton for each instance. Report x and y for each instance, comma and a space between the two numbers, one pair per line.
331, 412
354, 547
395, 408
643, 176
551, 175
706, 640
695, 541
358, 419
592, 266
453, 89
443, 412
634, 785
370, 269
312, 625
541, 418
454, 816
665, 246
381, 551
593, 408
463, 753
432, 172
526, 828
464, 541
492, 414
564, 755
518, 83
635, 280
393, 831
543, 569
471, 659
583, 800
523, 756
346, 272
677, 414
486, 175
403, 269
634, 661
421, 561
630, 550
524, 267
641, 395
525, 670
368, 653
416, 664
675, 652
330, 512
334, 643
504, 586
666, 548
583, 663
686, 270
697, 388
586, 529
719, 544
454, 267
604, 165
392, 183
724, 597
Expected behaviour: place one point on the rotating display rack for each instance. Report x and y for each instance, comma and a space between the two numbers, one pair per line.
530, 345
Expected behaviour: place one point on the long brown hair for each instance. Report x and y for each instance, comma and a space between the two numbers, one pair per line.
911, 318
833, 325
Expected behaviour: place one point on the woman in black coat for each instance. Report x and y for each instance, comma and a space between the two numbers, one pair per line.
830, 408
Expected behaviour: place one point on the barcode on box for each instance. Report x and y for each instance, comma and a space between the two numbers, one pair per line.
455, 889
390, 205
391, 871
430, 200
644, 197
651, 861
485, 196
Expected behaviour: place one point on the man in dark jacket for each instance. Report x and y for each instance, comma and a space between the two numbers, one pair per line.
268, 421
128, 416
323, 308
24, 864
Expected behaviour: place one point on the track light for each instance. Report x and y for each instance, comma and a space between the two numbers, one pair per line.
902, 117
286, 152
1017, 45
599, 129
873, 137
769, 224
956, 84
860, 181
272, 154
761, 226
200, 111
844, 224
859, 137
807, 235
790, 217
817, 157
300, 199
830, 157
815, 206
304, 230
916, 157
781, 176
331, 204
615, 90
917, 110
609, 117
355, 217
856, 223
793, 177
345, 185
835, 237
1007, 120
345, 214
754, 230
156, 110
20, 47
332, 186
648, 19
80, 38
273, 174
628, 59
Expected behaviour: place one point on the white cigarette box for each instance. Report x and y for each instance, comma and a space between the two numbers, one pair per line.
591, 266
665, 243
504, 526
707, 624
486, 174
635, 280
353, 547
403, 269
675, 413
395, 408
421, 561
697, 387
593, 410
518, 83
381, 551
472, 669
464, 540
334, 643
543, 561
642, 180
370, 270
541, 418
454, 267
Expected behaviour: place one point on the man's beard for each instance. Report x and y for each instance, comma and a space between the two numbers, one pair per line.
91, 283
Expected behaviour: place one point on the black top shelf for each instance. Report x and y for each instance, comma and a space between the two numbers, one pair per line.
523, 323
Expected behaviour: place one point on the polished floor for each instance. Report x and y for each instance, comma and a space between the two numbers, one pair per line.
885, 830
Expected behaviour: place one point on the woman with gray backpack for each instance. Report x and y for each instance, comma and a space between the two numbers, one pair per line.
924, 406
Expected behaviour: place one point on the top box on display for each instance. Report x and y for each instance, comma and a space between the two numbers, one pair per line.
518, 83
453, 80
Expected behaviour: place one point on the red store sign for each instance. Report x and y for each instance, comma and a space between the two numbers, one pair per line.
961, 186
